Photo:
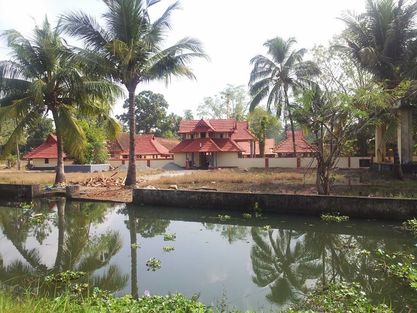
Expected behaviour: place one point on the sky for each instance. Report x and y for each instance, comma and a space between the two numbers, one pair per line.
231, 31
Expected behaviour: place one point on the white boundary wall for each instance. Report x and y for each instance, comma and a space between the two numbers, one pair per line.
231, 159
40, 163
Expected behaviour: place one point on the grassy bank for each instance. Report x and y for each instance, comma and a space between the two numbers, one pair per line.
48, 177
336, 298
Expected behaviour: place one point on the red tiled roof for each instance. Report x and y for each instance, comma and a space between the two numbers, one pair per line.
242, 132
148, 145
301, 145
269, 146
195, 126
145, 145
47, 150
206, 145
167, 142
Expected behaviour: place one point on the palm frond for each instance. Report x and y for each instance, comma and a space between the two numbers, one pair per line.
85, 27
73, 134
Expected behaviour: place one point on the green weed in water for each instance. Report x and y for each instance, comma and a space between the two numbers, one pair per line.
334, 218
247, 215
411, 225
153, 264
168, 248
169, 237
224, 217
135, 246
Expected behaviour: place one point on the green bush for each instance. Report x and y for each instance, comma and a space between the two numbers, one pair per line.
340, 298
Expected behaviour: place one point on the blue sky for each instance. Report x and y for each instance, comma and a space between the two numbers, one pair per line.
232, 32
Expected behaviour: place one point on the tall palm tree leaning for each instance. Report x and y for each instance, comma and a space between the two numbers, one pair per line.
43, 76
278, 76
129, 51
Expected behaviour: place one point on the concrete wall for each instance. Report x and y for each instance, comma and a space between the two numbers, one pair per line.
86, 168
40, 163
231, 159
179, 159
355, 207
19, 192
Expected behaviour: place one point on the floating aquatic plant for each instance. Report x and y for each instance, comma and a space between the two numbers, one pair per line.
334, 218
153, 264
169, 237
168, 248
224, 217
247, 215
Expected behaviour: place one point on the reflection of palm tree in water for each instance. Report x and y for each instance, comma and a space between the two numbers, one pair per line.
279, 262
76, 251
147, 228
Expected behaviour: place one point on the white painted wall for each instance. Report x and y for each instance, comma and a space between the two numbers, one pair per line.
283, 162
228, 159
40, 163
232, 159
179, 159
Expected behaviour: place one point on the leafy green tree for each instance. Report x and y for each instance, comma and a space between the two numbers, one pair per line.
229, 103
38, 131
129, 50
263, 125
170, 126
343, 73
95, 150
383, 40
151, 110
45, 75
188, 115
278, 76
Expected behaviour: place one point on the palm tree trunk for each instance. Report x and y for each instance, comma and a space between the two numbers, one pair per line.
61, 233
131, 172
59, 172
18, 156
133, 255
287, 103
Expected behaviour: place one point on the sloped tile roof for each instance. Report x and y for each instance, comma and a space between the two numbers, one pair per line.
145, 145
242, 132
269, 146
47, 150
190, 126
301, 145
206, 145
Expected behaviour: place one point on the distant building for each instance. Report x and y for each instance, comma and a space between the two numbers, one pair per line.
213, 143
147, 147
44, 156
302, 147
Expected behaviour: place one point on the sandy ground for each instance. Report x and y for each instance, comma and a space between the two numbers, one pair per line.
124, 194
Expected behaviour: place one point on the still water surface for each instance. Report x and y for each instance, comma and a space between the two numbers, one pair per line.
264, 263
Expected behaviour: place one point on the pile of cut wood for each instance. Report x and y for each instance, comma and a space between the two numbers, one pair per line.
102, 181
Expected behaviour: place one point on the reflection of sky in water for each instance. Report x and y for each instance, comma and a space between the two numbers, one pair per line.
211, 260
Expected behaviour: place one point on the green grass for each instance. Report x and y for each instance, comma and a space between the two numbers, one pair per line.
101, 303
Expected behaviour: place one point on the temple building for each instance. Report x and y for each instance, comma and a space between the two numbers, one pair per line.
213, 143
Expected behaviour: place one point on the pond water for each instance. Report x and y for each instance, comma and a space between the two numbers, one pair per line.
263, 262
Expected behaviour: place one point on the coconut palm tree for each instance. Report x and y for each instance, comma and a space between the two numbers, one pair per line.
278, 75
44, 76
383, 40
129, 50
